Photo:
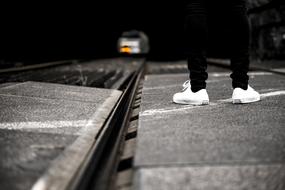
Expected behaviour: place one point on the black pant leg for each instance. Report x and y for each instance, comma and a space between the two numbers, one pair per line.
196, 35
240, 37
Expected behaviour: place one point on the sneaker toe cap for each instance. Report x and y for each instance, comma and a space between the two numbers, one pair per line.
176, 97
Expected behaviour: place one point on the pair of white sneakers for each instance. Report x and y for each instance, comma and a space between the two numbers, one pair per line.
239, 96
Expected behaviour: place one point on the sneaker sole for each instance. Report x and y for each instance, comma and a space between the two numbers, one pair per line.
245, 101
204, 102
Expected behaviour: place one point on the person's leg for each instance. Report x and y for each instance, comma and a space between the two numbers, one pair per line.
196, 34
240, 32
240, 36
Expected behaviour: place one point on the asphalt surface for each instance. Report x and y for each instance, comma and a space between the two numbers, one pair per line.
218, 146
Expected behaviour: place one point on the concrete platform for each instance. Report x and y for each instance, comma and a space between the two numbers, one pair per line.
41, 122
276, 66
219, 146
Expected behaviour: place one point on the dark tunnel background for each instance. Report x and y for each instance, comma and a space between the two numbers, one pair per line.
47, 32
53, 32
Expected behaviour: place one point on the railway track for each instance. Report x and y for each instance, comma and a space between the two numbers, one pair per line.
107, 73
107, 167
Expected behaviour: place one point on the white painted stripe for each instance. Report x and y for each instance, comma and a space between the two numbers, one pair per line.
281, 70
276, 93
216, 80
263, 95
269, 90
161, 111
226, 100
175, 66
44, 124
227, 74
222, 74
170, 110
259, 73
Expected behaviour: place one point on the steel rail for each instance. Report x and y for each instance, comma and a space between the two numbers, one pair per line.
100, 165
36, 66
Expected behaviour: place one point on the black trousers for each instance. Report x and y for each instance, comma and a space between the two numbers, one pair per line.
202, 13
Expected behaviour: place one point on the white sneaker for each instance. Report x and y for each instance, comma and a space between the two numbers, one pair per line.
186, 96
241, 96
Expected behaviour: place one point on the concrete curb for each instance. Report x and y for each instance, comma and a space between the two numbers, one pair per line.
62, 170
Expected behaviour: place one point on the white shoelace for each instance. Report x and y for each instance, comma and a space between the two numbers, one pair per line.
186, 85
